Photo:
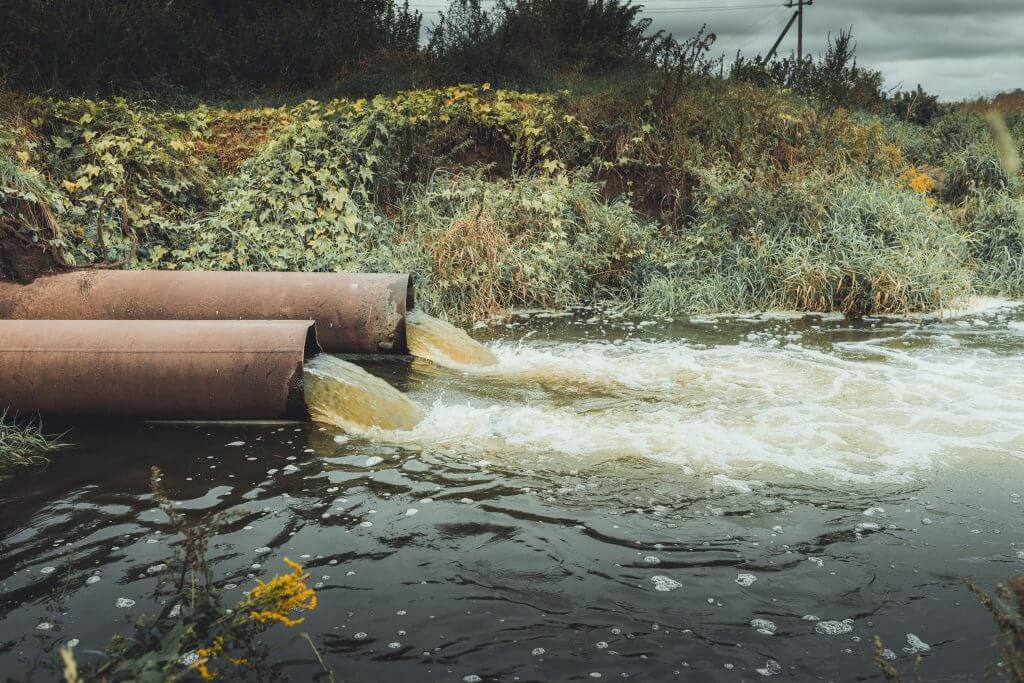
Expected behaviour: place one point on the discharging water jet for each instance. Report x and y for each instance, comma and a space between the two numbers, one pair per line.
434, 339
343, 394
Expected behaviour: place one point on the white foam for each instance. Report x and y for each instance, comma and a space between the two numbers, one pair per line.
738, 411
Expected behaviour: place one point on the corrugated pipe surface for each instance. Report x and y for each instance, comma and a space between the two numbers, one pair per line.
159, 369
354, 313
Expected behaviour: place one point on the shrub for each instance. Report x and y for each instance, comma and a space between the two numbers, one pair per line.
996, 231
857, 246
523, 42
481, 247
330, 176
834, 78
914, 106
975, 167
107, 45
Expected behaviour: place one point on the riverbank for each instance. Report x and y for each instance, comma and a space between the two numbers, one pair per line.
723, 196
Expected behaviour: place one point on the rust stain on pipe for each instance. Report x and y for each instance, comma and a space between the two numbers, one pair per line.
156, 368
354, 313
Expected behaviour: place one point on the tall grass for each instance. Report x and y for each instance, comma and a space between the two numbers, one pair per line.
825, 244
23, 444
483, 246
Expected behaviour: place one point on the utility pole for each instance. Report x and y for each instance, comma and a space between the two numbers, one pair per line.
799, 4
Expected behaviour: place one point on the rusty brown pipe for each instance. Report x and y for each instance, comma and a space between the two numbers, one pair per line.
160, 369
354, 313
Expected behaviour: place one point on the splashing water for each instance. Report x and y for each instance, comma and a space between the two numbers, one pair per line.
445, 344
878, 409
345, 395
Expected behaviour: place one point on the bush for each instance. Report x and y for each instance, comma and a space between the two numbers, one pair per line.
914, 106
857, 246
481, 247
975, 167
834, 78
525, 242
109, 45
523, 42
329, 178
996, 231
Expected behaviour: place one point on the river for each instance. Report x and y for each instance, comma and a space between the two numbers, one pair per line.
715, 499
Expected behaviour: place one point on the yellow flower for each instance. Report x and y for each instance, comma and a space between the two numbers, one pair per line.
919, 182
205, 654
267, 603
272, 601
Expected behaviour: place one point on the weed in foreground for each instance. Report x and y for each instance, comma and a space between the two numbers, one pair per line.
196, 634
23, 444
1006, 605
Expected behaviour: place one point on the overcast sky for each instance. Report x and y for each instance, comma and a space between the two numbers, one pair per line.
956, 48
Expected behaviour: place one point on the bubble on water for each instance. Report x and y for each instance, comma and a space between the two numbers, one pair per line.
366, 524
236, 443
1020, 555
374, 460
360, 636
263, 551
175, 611
538, 651
394, 646
595, 674
601, 645
73, 642
652, 559
915, 645
341, 438
665, 584
872, 511
867, 526
124, 603
410, 512
745, 580
156, 569
290, 469
44, 626
47, 570
834, 628
771, 668
817, 560
763, 626
189, 658
810, 617
471, 678
888, 655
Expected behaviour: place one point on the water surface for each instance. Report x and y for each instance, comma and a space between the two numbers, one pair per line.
690, 499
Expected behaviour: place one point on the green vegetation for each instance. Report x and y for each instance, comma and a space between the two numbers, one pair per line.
23, 444
653, 179
1006, 605
196, 635
177, 47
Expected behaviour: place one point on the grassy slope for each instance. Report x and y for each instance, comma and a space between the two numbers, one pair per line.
717, 196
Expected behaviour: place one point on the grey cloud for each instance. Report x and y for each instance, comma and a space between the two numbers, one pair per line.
956, 48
